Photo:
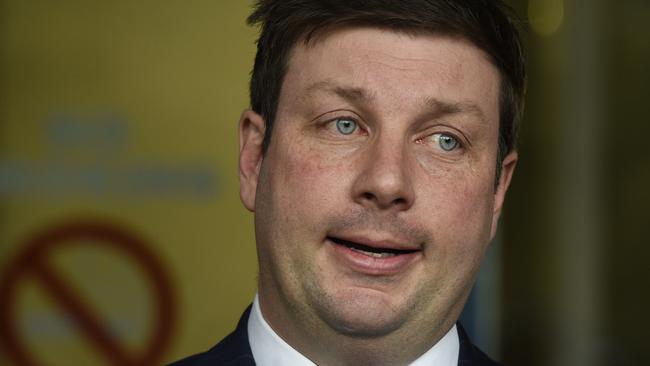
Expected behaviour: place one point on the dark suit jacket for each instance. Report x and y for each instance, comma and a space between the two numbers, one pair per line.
234, 350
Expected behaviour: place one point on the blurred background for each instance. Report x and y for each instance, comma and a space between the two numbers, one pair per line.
123, 241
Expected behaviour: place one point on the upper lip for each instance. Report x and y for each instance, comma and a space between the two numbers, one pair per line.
384, 242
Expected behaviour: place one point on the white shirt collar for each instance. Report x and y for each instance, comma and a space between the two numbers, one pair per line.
271, 350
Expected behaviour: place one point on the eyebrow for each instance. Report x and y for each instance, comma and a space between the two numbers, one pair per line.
435, 107
443, 108
353, 94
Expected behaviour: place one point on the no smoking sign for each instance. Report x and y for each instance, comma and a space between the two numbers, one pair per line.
34, 265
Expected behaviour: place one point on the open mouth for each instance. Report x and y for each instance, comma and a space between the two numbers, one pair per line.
370, 251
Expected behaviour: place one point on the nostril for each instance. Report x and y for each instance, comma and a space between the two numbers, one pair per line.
399, 202
370, 197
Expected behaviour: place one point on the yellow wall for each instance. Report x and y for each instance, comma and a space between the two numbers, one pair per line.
124, 113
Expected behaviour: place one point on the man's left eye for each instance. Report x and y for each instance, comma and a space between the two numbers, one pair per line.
446, 142
346, 126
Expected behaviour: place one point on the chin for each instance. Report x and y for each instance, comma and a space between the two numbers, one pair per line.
362, 313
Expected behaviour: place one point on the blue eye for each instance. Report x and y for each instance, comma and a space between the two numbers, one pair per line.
346, 126
446, 142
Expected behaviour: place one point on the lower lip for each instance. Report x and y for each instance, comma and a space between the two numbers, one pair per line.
365, 264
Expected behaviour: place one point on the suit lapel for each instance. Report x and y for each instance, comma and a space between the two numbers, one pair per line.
469, 354
234, 350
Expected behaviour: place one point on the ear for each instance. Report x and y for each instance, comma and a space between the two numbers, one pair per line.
251, 138
507, 169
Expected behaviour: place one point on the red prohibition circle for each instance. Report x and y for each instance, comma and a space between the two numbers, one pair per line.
32, 260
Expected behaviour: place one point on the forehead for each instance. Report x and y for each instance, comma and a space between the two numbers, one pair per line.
394, 67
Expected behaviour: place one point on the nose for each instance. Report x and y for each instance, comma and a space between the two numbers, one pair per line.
385, 181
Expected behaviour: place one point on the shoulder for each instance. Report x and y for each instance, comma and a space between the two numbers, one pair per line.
232, 350
469, 354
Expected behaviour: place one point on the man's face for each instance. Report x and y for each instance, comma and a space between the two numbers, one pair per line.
375, 201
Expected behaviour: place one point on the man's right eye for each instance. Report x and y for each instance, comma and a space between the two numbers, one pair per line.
346, 126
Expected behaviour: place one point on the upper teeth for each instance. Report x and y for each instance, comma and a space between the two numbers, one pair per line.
376, 255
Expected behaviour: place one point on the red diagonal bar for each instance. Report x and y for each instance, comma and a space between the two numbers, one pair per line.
87, 322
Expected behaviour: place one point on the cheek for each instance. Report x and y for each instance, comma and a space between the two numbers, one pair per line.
460, 235
462, 213
304, 183
469, 191
316, 172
